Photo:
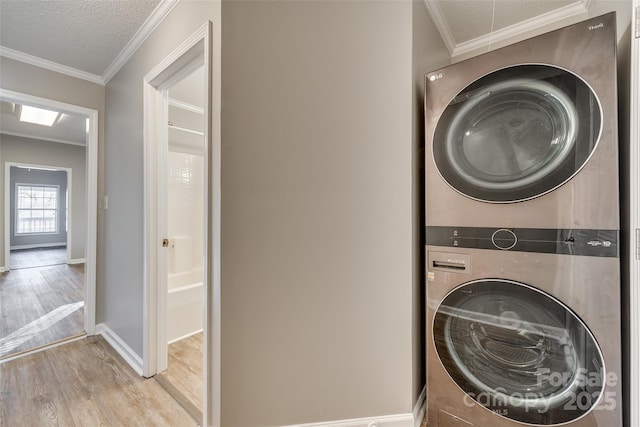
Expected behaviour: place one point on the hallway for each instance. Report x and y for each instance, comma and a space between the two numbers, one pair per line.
40, 306
83, 383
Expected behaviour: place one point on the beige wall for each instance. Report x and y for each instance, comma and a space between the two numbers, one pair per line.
31, 151
320, 288
429, 53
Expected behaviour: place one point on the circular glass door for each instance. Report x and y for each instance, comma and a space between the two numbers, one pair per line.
517, 133
518, 352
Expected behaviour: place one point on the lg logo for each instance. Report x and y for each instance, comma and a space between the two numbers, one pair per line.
434, 77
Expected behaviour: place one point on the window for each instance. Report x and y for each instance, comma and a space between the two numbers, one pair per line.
36, 209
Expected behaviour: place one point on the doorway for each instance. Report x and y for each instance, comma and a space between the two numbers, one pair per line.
47, 265
174, 143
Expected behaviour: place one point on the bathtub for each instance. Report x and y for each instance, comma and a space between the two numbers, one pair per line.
185, 306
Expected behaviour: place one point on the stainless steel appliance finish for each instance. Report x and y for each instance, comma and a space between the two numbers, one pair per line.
523, 338
532, 126
522, 222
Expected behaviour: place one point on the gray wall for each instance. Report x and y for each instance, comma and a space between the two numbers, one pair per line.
39, 177
20, 77
122, 299
32, 151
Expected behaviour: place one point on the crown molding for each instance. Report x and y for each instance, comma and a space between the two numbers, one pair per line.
50, 65
441, 24
512, 31
156, 17
42, 138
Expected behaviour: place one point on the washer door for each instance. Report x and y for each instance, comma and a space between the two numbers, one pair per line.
517, 133
518, 352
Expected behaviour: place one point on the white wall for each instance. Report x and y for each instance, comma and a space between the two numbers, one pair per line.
31, 151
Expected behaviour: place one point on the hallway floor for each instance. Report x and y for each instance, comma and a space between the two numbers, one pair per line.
39, 306
83, 383
39, 257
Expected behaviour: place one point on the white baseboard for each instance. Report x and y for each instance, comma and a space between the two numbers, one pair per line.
121, 347
419, 409
76, 261
3, 269
399, 420
38, 245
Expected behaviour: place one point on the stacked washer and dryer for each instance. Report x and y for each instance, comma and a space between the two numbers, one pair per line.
522, 226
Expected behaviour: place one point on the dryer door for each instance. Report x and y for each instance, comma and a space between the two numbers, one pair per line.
517, 133
519, 352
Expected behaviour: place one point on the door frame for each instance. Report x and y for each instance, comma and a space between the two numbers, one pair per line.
7, 206
200, 44
91, 157
634, 219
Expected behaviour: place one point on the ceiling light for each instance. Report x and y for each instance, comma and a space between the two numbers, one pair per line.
38, 116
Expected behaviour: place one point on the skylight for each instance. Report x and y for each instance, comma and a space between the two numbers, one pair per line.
38, 116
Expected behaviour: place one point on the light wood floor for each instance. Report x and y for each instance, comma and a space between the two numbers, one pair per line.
83, 383
184, 377
39, 257
39, 306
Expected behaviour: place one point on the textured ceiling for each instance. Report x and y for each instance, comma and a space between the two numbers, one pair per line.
85, 35
467, 25
469, 19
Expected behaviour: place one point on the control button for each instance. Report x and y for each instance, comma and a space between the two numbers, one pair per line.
504, 239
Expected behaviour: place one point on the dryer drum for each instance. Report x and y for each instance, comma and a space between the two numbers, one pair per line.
517, 133
519, 352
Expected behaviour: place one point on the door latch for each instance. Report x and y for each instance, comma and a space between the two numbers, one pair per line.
165, 243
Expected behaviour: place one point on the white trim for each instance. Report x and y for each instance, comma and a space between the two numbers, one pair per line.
204, 43
398, 420
441, 24
156, 17
73, 261
43, 348
92, 190
634, 206
50, 65
186, 106
42, 138
3, 270
455, 49
120, 347
420, 408
190, 334
37, 245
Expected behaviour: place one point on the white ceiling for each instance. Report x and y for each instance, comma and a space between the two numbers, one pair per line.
466, 25
70, 128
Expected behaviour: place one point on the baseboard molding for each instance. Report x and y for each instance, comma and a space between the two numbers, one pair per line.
399, 420
38, 245
121, 347
419, 409
3, 269
76, 261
